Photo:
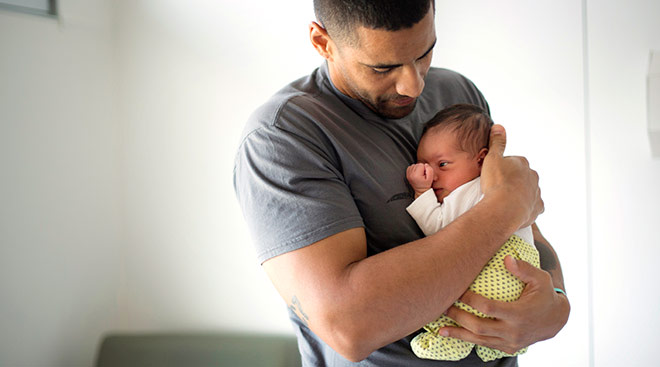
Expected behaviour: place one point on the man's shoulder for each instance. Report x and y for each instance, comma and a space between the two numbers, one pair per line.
443, 73
446, 77
450, 87
295, 101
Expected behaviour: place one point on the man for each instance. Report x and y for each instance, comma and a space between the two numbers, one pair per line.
320, 177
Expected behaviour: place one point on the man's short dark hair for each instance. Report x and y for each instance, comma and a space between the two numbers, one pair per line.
340, 18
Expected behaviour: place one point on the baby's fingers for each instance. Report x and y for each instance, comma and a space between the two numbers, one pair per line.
412, 172
428, 173
415, 169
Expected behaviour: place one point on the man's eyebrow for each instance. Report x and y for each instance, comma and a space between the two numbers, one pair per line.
391, 66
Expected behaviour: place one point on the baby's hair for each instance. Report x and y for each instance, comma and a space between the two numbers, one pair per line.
470, 123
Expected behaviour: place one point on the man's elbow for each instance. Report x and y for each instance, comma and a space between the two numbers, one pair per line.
356, 356
349, 341
351, 349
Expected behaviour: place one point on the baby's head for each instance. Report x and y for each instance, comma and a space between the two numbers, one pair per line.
454, 143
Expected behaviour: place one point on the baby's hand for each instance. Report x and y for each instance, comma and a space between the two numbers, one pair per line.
420, 176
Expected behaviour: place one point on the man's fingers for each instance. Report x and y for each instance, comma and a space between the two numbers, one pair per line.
487, 341
497, 141
521, 269
491, 333
474, 323
463, 334
491, 308
511, 265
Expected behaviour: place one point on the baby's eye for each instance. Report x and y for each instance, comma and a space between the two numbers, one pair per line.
442, 164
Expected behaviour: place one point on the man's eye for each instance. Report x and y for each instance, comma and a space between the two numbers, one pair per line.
381, 70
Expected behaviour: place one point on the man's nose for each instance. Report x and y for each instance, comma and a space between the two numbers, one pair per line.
410, 82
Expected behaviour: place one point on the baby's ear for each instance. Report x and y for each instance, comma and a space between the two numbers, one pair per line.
481, 155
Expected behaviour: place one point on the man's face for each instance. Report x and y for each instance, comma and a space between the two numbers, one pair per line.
386, 69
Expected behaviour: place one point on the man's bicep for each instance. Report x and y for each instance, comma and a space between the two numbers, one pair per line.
308, 278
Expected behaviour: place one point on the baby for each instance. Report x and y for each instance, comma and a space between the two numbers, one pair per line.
446, 184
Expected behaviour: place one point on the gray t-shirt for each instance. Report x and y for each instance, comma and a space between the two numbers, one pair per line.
314, 162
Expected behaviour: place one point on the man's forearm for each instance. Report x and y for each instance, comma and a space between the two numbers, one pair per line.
358, 304
412, 284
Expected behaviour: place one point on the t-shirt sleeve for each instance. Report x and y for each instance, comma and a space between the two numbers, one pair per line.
291, 190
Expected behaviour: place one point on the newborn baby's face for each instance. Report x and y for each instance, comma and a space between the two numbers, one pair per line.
451, 166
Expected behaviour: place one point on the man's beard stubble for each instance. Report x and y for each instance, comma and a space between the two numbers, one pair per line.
382, 109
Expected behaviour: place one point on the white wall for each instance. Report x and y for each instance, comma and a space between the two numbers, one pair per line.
118, 210
59, 213
190, 74
625, 183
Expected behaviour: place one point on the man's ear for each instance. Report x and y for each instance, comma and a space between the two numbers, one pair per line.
321, 41
481, 155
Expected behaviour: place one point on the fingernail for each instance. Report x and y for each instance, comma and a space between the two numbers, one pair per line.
514, 262
444, 332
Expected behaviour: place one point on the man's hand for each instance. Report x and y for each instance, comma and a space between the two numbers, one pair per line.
420, 177
512, 180
537, 315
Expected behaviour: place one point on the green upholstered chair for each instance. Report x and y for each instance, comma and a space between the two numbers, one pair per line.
197, 350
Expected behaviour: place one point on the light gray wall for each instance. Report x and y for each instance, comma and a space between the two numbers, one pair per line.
190, 76
625, 183
60, 223
117, 203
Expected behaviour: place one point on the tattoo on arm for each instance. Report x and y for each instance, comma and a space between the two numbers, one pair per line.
549, 260
296, 307
547, 256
